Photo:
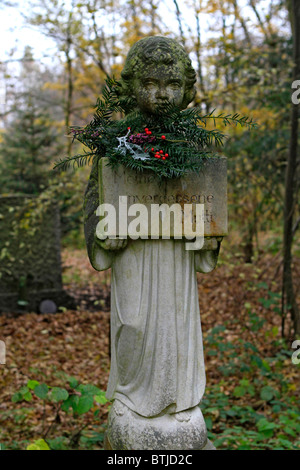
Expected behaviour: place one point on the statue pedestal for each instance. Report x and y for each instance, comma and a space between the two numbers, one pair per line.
128, 430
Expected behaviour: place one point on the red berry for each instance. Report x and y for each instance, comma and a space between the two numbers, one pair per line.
166, 155
146, 129
163, 158
152, 150
128, 128
161, 151
163, 137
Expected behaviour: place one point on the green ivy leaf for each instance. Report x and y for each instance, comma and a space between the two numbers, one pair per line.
40, 444
265, 427
41, 391
100, 398
72, 402
209, 423
27, 396
88, 389
73, 382
267, 393
32, 384
239, 391
58, 394
85, 403
17, 397
58, 443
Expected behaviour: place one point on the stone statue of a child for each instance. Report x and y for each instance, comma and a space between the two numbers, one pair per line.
157, 376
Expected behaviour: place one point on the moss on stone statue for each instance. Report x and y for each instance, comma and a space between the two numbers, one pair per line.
157, 59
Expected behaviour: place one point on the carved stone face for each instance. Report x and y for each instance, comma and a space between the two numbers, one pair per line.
158, 84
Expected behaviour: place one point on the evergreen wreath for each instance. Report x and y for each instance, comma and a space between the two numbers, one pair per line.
172, 143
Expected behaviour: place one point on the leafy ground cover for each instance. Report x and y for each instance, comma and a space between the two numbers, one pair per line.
57, 365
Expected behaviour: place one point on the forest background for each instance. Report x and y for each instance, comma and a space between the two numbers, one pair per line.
247, 57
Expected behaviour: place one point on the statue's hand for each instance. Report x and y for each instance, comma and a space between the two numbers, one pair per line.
112, 244
206, 259
212, 243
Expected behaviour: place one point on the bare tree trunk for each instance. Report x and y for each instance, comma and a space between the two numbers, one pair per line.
68, 109
288, 294
249, 248
225, 51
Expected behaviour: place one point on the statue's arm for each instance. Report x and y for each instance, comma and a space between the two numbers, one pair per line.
206, 259
100, 258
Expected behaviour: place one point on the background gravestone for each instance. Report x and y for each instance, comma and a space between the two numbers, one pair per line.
30, 259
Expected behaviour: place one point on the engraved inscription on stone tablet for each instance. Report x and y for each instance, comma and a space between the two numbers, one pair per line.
209, 187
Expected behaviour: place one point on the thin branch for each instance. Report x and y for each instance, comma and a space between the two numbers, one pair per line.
253, 6
241, 20
178, 15
296, 226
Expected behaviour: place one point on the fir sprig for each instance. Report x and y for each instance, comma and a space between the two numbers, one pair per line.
77, 160
230, 119
179, 137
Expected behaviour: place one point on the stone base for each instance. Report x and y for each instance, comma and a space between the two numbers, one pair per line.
128, 430
209, 445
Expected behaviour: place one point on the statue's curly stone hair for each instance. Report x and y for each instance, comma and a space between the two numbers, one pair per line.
155, 50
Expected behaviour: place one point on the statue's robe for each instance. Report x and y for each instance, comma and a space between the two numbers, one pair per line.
157, 362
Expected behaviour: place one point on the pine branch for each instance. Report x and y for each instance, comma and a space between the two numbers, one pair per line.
180, 135
77, 160
230, 119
